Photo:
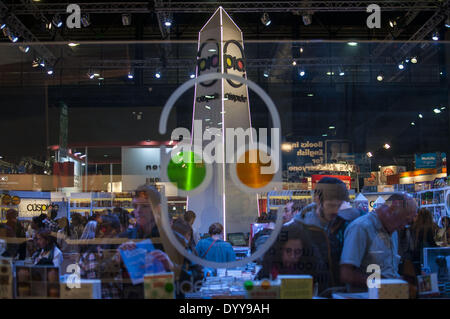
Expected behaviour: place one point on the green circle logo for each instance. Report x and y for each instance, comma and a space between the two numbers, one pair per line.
186, 175
248, 285
169, 287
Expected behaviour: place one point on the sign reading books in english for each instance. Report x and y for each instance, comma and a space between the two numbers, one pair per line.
310, 151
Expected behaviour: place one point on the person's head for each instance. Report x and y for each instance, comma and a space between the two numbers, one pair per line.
401, 211
146, 200
36, 223
329, 194
124, 217
445, 222
189, 216
97, 217
216, 230
75, 219
182, 229
424, 219
289, 251
11, 216
53, 212
290, 210
45, 240
62, 222
109, 227
90, 230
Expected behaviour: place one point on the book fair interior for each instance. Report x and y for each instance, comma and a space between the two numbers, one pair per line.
224, 150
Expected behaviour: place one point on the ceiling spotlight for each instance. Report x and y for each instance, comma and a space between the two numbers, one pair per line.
157, 74
437, 111
380, 77
414, 60
442, 107
392, 23
126, 19
352, 44
73, 44
24, 49
369, 154
48, 25
412, 123
42, 63
168, 23
2, 26
294, 63
331, 127
401, 66
341, 72
302, 73
330, 73
57, 21
435, 36
35, 63
50, 71
85, 20
386, 146
130, 75
265, 19
407, 60
301, 50
307, 19
325, 135
192, 75
90, 74
420, 116
266, 73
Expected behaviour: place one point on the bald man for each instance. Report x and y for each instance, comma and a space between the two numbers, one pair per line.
372, 239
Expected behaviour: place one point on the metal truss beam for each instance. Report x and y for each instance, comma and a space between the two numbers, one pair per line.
18, 28
235, 6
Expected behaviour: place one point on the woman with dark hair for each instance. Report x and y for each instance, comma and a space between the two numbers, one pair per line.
48, 253
291, 253
423, 232
443, 234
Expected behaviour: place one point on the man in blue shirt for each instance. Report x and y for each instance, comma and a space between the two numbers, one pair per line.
214, 248
372, 240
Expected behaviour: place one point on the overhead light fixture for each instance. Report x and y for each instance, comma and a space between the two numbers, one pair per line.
442, 107
302, 73
331, 127
413, 123
301, 50
131, 75
401, 66
392, 23
85, 20
414, 60
35, 63
168, 22
286, 147
73, 44
437, 111
341, 72
294, 63
57, 21
310, 94
126, 19
435, 36
48, 25
42, 63
380, 77
2, 26
420, 116
352, 44
325, 135
330, 73
158, 74
369, 154
24, 49
50, 71
192, 75
407, 60
386, 146
265, 19
90, 74
266, 73
307, 19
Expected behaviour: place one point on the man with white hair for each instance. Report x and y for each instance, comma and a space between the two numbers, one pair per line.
372, 239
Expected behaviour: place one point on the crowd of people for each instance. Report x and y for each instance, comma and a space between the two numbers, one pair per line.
327, 239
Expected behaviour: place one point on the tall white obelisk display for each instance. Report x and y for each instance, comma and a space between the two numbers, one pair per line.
218, 105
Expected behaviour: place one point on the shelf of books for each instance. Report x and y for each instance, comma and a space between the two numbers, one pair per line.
437, 201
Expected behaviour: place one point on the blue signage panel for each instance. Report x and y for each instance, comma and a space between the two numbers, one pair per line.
428, 160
